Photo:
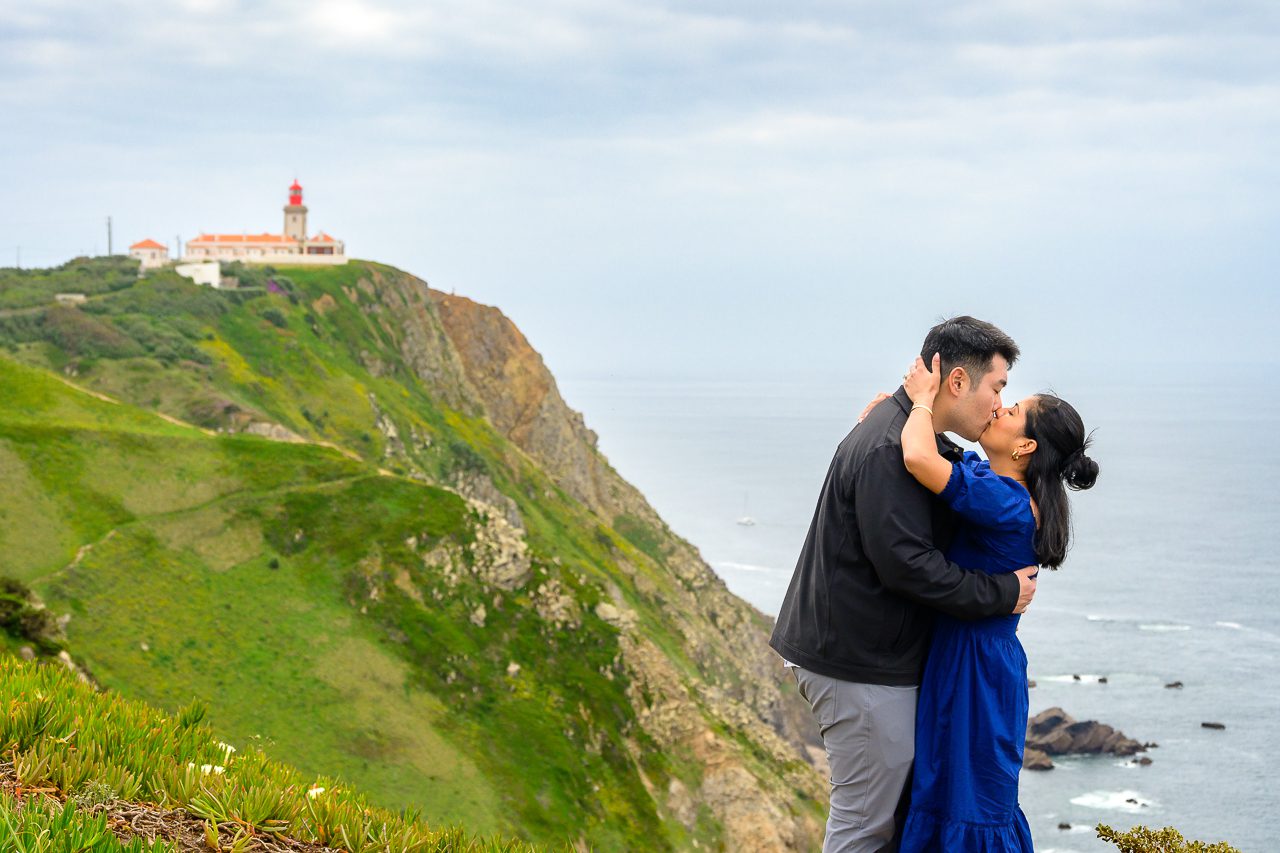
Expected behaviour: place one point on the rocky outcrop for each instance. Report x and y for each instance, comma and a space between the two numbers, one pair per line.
740, 682
501, 554
750, 808
400, 305
1034, 759
1055, 732
521, 399
275, 432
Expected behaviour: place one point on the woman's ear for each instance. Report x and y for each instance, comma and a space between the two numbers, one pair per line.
1027, 446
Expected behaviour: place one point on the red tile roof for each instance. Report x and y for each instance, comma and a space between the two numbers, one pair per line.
243, 238
148, 244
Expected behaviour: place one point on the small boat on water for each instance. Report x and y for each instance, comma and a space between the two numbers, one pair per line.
747, 521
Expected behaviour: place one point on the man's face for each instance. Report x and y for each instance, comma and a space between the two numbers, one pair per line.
974, 409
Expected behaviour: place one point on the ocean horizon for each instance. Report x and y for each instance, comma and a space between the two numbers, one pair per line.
1170, 579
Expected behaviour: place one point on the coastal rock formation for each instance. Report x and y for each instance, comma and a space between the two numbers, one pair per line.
1055, 732
738, 679
1034, 759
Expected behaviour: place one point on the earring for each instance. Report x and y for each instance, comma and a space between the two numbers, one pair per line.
1016, 455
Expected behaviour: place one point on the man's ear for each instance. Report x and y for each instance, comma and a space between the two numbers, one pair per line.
957, 381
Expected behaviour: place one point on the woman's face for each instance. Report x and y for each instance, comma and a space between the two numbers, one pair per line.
1007, 429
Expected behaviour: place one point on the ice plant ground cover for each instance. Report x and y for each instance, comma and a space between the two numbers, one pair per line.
64, 741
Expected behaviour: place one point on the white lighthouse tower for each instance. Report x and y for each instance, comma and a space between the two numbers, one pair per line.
295, 214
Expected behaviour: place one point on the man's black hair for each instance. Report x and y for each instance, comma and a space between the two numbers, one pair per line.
968, 343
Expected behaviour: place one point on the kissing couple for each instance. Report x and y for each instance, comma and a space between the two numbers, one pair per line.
900, 621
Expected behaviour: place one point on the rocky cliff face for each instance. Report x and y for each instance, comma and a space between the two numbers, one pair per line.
738, 681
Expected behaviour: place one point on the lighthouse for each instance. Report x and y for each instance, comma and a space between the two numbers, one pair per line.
291, 247
295, 214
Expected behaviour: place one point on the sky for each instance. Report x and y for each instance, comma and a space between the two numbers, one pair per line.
701, 189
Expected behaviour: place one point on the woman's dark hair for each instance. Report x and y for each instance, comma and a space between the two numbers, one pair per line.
1058, 463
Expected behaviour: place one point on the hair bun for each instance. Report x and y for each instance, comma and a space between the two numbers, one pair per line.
1079, 471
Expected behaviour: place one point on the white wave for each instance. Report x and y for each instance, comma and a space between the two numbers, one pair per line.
1120, 801
744, 567
1163, 626
1093, 617
1258, 633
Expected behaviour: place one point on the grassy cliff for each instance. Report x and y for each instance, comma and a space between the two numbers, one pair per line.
352, 518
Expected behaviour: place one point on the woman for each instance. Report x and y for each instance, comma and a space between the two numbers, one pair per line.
971, 716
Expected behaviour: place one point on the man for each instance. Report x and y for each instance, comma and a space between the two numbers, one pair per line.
855, 623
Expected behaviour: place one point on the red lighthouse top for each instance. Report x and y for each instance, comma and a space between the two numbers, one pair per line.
295, 193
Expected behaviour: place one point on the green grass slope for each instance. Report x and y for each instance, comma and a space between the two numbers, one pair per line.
331, 598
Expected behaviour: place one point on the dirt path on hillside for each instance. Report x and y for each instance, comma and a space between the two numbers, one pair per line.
85, 549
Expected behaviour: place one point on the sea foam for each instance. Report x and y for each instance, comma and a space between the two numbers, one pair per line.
1119, 801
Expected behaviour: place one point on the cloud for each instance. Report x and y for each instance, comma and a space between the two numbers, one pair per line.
573, 149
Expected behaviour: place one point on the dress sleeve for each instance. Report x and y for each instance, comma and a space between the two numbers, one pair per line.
984, 498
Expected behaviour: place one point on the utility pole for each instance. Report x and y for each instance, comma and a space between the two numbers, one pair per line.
108, 235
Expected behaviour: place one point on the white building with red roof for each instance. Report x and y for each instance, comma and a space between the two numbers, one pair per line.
151, 253
291, 247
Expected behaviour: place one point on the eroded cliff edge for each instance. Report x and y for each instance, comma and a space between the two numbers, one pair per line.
736, 679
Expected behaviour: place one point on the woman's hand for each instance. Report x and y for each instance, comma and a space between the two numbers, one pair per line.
921, 384
880, 398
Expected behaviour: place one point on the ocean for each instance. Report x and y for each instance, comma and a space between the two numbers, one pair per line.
1173, 577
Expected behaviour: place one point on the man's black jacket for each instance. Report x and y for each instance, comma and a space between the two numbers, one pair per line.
861, 602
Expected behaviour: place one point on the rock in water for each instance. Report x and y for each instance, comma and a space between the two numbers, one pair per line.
1055, 732
1035, 759
1218, 726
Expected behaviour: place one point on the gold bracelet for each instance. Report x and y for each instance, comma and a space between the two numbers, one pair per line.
922, 406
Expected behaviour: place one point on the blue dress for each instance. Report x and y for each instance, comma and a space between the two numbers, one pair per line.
971, 717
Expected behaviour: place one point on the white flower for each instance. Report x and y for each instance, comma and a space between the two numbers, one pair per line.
226, 747
212, 768
314, 791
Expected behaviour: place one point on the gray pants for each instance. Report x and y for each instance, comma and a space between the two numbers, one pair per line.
869, 733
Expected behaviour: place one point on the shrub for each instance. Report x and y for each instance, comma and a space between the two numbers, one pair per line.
1139, 839
466, 459
274, 317
77, 333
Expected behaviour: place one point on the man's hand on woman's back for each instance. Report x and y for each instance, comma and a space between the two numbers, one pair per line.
1026, 587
